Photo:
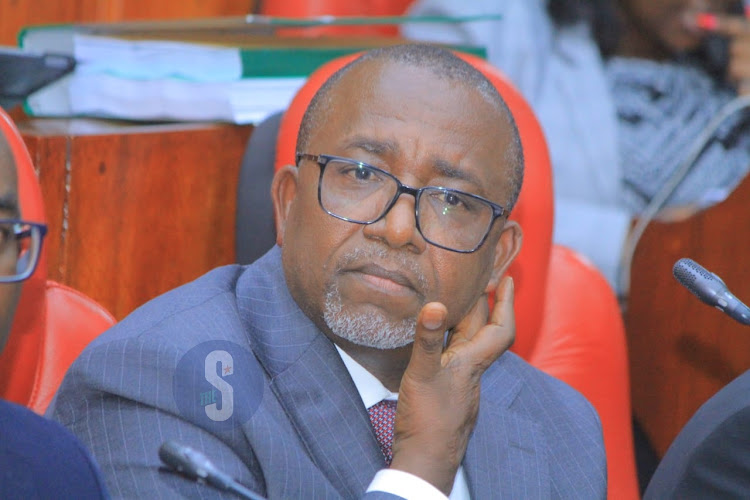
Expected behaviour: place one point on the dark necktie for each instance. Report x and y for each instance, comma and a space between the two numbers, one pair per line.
383, 416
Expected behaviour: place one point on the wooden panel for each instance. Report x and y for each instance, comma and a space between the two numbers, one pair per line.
52, 154
136, 211
681, 350
16, 14
148, 9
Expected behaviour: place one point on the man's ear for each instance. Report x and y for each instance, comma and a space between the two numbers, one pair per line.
506, 250
283, 193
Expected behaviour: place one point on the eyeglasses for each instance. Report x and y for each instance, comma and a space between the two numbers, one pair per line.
20, 247
356, 192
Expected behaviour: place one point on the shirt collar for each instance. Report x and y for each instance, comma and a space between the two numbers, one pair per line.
370, 389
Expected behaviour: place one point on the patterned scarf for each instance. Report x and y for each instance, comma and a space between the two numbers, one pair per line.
662, 109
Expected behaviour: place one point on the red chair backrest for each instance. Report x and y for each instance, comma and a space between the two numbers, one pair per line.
52, 323
533, 210
310, 8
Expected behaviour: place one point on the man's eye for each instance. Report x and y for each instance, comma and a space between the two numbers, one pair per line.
359, 173
455, 201
363, 174
452, 199
5, 235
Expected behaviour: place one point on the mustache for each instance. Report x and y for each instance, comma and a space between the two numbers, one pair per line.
387, 259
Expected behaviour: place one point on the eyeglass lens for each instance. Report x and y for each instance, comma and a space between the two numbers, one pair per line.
20, 243
362, 194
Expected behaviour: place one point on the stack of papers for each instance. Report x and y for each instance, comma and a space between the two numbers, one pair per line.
236, 70
149, 80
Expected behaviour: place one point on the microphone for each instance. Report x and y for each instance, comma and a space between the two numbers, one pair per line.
710, 289
196, 466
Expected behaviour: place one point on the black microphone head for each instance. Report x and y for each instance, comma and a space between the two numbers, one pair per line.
698, 280
193, 464
710, 289
173, 454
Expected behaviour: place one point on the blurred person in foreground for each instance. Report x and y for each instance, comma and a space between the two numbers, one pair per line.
358, 357
623, 90
710, 457
38, 457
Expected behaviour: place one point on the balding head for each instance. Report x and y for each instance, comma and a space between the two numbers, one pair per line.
442, 64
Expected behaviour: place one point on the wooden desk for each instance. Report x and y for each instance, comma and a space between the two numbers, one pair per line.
135, 210
681, 350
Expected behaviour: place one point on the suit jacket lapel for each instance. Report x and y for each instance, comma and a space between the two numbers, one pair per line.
309, 380
321, 400
506, 456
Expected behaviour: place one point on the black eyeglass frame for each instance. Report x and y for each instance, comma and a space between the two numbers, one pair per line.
323, 160
42, 230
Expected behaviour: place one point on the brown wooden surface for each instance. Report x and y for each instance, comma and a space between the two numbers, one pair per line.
681, 350
16, 14
135, 210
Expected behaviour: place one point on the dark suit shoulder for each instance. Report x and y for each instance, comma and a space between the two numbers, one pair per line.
41, 459
710, 457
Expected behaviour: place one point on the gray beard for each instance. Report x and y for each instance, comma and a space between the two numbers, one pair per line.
371, 329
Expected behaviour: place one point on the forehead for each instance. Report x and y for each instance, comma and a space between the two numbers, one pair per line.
8, 179
418, 112
376, 83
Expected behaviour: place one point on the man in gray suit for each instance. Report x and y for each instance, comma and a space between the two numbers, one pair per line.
286, 372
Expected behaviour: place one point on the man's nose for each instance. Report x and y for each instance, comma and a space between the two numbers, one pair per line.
399, 226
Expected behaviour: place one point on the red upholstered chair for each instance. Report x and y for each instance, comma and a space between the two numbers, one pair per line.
568, 320
304, 8
53, 323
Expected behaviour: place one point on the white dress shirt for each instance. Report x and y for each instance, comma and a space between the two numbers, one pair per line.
393, 481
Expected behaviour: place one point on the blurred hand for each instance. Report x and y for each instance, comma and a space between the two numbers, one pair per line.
438, 398
737, 30
677, 213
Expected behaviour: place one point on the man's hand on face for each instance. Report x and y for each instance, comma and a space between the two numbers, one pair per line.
438, 399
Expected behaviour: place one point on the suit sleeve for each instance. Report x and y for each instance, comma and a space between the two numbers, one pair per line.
117, 399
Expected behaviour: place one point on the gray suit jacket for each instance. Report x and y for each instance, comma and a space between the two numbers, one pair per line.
299, 429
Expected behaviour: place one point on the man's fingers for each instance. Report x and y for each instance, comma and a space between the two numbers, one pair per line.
428, 340
503, 312
496, 337
501, 330
470, 324
738, 71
